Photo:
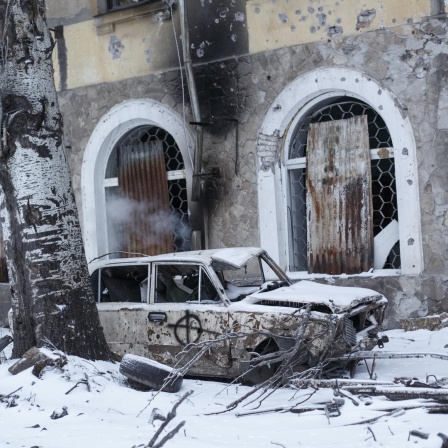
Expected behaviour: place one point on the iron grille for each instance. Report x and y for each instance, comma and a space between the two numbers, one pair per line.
320, 308
349, 333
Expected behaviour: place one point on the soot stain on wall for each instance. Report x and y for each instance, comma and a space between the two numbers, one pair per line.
218, 29
223, 94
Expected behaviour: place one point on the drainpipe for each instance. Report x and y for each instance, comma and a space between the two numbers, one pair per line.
197, 168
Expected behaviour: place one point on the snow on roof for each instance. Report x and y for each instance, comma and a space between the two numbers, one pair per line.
234, 256
337, 298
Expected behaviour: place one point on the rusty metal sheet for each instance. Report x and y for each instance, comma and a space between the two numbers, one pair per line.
339, 204
142, 180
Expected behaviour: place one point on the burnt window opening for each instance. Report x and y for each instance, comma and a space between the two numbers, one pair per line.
383, 184
146, 194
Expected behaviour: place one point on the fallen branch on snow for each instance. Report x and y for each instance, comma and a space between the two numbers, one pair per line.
171, 415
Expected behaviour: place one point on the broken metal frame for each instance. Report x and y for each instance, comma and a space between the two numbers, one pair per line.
196, 110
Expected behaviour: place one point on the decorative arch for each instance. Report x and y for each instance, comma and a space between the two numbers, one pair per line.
274, 141
121, 119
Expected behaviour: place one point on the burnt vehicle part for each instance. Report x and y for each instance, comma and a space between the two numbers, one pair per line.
157, 306
150, 373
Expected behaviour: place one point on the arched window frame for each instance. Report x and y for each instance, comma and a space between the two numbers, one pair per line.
291, 104
110, 129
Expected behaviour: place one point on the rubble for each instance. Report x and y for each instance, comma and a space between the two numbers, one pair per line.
432, 323
38, 359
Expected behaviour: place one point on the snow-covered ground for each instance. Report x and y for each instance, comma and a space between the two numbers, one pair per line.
112, 415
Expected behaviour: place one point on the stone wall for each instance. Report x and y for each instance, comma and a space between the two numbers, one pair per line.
410, 61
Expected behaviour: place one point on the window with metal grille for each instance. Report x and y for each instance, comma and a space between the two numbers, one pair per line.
383, 190
146, 194
113, 5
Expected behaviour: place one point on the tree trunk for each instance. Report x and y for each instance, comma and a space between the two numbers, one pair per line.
51, 294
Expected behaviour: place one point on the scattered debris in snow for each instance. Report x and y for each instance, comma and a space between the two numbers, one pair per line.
111, 413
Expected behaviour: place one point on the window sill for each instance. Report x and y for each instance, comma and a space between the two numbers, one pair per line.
303, 275
105, 23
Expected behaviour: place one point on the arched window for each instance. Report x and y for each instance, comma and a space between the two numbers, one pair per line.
136, 181
146, 194
382, 194
338, 177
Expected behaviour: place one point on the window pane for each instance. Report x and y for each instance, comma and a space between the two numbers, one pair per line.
182, 283
249, 275
297, 220
177, 190
114, 215
120, 283
384, 200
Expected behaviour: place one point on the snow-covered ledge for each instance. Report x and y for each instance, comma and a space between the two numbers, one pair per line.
294, 101
110, 128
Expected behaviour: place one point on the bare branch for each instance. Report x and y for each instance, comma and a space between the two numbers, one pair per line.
370, 429
169, 436
169, 417
279, 377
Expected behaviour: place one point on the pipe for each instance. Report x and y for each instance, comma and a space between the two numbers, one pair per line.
196, 187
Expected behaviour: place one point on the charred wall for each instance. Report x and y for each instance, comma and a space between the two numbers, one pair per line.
218, 29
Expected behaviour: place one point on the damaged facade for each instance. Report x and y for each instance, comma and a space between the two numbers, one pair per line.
324, 132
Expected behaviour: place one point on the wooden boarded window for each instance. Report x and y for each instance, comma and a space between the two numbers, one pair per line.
143, 183
339, 204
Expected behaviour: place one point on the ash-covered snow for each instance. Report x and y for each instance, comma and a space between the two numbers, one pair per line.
112, 415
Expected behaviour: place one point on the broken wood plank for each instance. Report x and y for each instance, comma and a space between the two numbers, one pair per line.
396, 412
29, 359
375, 419
332, 383
419, 434
401, 393
362, 354
37, 358
438, 410
293, 409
